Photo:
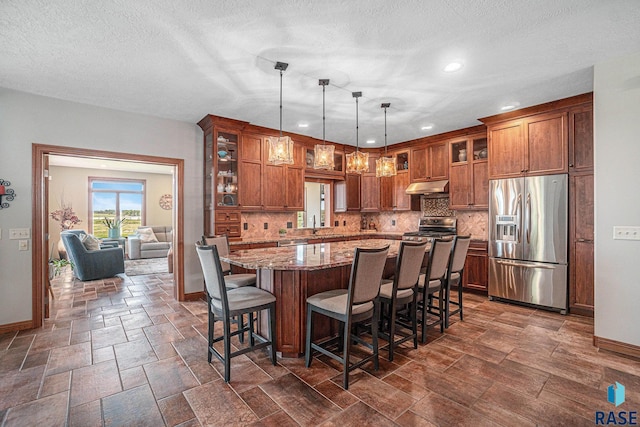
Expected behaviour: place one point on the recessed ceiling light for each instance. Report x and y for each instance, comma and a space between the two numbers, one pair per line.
510, 106
427, 127
452, 67
303, 125
103, 166
371, 141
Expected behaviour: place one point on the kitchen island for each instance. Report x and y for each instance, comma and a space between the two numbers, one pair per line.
293, 273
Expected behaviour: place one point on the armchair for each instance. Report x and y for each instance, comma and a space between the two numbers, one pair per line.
92, 265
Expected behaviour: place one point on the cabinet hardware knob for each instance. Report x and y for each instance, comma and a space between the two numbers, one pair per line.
570, 165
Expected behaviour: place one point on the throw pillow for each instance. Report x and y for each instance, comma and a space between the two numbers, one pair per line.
147, 235
90, 242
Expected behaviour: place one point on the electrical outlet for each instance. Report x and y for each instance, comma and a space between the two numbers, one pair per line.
344, 223
393, 222
336, 223
19, 233
266, 225
245, 226
289, 224
626, 233
23, 245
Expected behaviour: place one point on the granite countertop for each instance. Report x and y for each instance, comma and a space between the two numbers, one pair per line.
306, 257
286, 238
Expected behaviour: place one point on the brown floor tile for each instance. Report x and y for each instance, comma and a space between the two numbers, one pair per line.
135, 321
444, 412
134, 353
279, 419
215, 403
70, 357
175, 409
49, 340
31, 414
54, 384
408, 387
86, 415
465, 346
301, 402
133, 377
500, 415
36, 359
358, 415
93, 382
379, 395
162, 333
169, 376
107, 336
135, 407
261, 404
336, 394
315, 374
18, 387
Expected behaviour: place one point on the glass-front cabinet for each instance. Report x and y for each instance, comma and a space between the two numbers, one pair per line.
221, 174
468, 173
338, 169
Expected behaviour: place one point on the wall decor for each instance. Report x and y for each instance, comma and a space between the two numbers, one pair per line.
5, 192
166, 201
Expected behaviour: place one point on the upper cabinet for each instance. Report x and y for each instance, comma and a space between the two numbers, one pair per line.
429, 163
468, 173
392, 189
581, 139
221, 173
338, 168
370, 187
535, 145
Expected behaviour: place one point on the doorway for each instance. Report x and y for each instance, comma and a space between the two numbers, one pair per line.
40, 155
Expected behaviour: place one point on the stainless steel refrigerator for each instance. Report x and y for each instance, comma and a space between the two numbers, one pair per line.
528, 235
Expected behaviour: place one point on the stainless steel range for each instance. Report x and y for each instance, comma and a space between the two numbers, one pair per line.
433, 227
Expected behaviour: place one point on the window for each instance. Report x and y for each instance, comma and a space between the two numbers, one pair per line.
116, 199
317, 204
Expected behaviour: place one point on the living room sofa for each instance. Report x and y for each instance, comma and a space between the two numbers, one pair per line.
138, 247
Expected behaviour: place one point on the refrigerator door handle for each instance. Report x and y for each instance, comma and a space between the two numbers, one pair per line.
526, 265
528, 231
519, 215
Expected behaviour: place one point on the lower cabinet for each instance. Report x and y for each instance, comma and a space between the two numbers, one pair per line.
476, 267
581, 242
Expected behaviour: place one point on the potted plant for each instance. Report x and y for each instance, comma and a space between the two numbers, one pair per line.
114, 224
67, 218
282, 232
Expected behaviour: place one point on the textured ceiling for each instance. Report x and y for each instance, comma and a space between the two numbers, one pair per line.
183, 59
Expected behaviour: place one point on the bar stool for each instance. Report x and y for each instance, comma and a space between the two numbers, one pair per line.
402, 291
454, 276
358, 303
434, 281
226, 303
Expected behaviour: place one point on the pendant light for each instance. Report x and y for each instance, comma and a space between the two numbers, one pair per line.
357, 162
280, 148
323, 154
385, 166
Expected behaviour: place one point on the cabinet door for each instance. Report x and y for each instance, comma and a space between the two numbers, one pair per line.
459, 186
295, 189
353, 191
418, 167
387, 201
402, 199
581, 276
274, 195
250, 179
506, 150
370, 193
546, 142
340, 196
480, 185
581, 139
438, 161
476, 270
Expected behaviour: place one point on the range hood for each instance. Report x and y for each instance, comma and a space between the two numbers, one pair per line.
428, 187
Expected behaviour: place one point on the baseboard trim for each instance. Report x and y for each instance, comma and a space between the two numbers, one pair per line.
194, 296
17, 326
617, 346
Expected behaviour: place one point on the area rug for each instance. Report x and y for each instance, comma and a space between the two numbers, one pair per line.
138, 267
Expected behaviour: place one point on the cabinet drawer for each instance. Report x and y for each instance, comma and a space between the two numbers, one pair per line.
230, 229
227, 216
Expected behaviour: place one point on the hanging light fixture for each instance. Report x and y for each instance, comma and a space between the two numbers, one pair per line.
357, 162
323, 154
385, 166
280, 148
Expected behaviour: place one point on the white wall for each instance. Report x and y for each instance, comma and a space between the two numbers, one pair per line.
26, 119
617, 198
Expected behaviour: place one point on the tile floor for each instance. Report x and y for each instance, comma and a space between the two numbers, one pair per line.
122, 352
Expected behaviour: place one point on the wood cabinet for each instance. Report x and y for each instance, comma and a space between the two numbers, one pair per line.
338, 169
468, 173
392, 192
352, 192
228, 222
429, 163
581, 211
221, 172
265, 186
370, 188
476, 267
535, 145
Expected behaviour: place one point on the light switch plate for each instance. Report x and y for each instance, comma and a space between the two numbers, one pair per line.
626, 233
23, 245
